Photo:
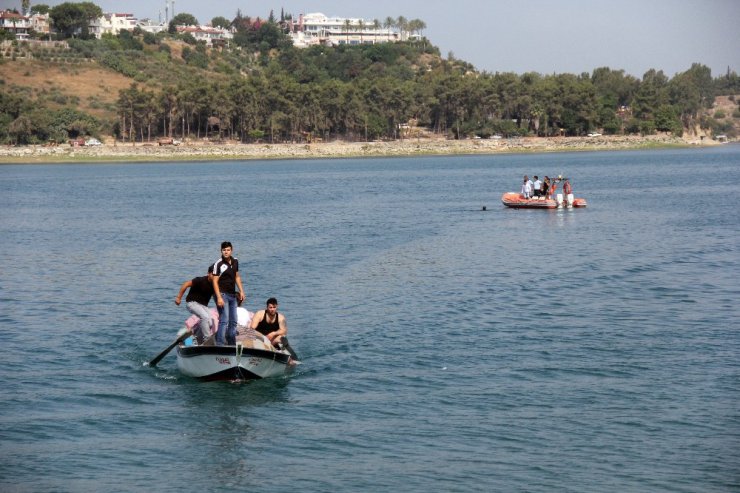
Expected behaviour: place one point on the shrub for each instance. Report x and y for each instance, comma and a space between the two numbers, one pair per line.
189, 39
256, 134
647, 127
632, 126
118, 62
719, 114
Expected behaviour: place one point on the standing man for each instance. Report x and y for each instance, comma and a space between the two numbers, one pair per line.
526, 187
270, 323
568, 192
537, 186
201, 290
226, 279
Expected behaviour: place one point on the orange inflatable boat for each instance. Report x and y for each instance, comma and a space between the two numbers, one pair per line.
517, 201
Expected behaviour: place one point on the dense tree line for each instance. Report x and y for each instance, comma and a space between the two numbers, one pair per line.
262, 88
367, 92
22, 122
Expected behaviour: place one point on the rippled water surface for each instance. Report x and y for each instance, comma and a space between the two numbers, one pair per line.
445, 347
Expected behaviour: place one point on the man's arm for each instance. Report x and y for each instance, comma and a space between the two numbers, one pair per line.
217, 292
282, 331
184, 286
283, 326
256, 319
242, 297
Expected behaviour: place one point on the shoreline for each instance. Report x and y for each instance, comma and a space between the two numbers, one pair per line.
207, 151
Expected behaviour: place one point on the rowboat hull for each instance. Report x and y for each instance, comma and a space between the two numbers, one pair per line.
517, 201
213, 363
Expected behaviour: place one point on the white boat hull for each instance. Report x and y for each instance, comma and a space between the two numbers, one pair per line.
212, 363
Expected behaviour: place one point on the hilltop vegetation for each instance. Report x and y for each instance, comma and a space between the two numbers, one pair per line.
138, 86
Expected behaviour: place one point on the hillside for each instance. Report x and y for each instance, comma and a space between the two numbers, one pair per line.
136, 88
88, 87
725, 112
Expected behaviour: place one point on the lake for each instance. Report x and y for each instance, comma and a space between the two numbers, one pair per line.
445, 347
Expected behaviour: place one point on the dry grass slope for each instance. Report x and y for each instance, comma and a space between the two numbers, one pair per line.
94, 87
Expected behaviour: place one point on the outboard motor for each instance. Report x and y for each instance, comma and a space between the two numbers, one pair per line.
559, 200
569, 200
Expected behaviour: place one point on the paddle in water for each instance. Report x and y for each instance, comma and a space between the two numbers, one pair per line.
184, 335
284, 342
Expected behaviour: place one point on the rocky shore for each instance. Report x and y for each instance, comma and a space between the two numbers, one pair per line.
196, 151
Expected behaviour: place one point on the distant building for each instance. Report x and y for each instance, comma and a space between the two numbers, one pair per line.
316, 28
211, 35
148, 25
40, 24
16, 24
112, 24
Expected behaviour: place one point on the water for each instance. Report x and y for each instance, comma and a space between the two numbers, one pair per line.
444, 347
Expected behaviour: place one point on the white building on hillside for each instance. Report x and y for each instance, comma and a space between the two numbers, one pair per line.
211, 35
149, 26
112, 24
316, 28
15, 23
40, 23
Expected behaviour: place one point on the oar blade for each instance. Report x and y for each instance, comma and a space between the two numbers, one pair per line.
177, 341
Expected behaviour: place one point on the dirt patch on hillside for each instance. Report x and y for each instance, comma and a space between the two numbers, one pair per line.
94, 87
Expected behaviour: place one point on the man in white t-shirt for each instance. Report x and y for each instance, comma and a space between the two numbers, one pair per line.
537, 186
526, 187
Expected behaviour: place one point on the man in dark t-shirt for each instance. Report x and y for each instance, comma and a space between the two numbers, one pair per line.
200, 293
226, 279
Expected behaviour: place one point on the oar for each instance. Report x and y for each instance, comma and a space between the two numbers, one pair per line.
177, 341
284, 342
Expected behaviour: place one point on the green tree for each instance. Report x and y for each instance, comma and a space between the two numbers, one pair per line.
667, 120
346, 28
182, 19
417, 26
21, 130
40, 8
691, 91
221, 22
651, 94
403, 25
389, 23
72, 18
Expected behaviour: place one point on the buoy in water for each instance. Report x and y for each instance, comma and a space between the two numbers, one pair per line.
484, 208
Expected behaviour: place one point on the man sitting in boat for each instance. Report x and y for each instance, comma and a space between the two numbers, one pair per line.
270, 323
